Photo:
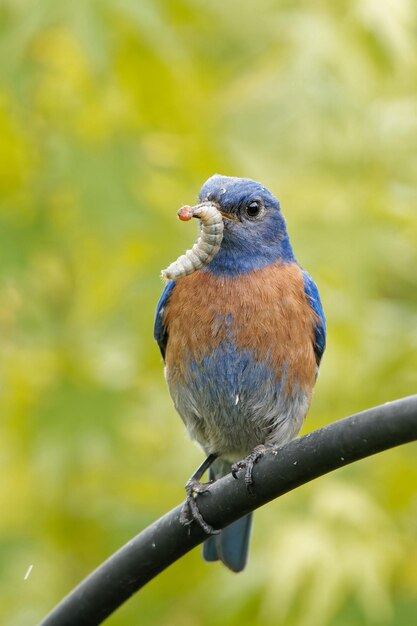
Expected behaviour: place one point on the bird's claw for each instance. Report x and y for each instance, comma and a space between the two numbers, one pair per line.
190, 511
248, 464
195, 488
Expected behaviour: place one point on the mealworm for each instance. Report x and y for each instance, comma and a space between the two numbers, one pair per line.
206, 246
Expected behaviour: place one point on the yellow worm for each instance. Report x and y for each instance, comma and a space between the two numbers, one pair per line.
206, 246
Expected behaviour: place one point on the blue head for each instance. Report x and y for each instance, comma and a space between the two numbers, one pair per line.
256, 233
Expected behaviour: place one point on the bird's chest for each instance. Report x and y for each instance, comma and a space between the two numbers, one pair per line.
240, 362
263, 315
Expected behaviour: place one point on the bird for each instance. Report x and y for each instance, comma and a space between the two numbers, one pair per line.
242, 339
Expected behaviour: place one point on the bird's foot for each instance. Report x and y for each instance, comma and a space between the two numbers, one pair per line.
190, 511
248, 463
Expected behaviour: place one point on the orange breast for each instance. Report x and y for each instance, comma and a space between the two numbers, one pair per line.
265, 311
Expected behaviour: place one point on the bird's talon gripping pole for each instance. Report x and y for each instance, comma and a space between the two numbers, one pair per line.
190, 511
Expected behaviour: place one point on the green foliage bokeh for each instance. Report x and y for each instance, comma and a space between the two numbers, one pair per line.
112, 115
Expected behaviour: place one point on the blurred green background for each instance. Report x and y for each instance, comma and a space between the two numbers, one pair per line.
112, 115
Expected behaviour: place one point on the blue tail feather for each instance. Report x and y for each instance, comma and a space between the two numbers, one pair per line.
231, 545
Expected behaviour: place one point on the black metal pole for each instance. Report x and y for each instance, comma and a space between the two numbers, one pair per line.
165, 541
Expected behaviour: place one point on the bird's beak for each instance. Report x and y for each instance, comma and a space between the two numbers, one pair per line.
227, 216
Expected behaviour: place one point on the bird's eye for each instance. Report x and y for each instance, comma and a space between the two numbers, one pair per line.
253, 209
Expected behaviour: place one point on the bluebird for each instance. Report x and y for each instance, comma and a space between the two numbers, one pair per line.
242, 339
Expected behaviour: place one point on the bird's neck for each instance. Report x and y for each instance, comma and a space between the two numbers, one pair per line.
237, 257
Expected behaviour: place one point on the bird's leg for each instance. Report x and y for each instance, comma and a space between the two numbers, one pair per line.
248, 463
193, 488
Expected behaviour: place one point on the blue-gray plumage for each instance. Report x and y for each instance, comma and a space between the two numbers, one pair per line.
242, 339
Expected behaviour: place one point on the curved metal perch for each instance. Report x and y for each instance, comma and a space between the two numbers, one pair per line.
165, 541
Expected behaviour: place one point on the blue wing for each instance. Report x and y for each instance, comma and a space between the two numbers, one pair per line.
159, 331
313, 297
